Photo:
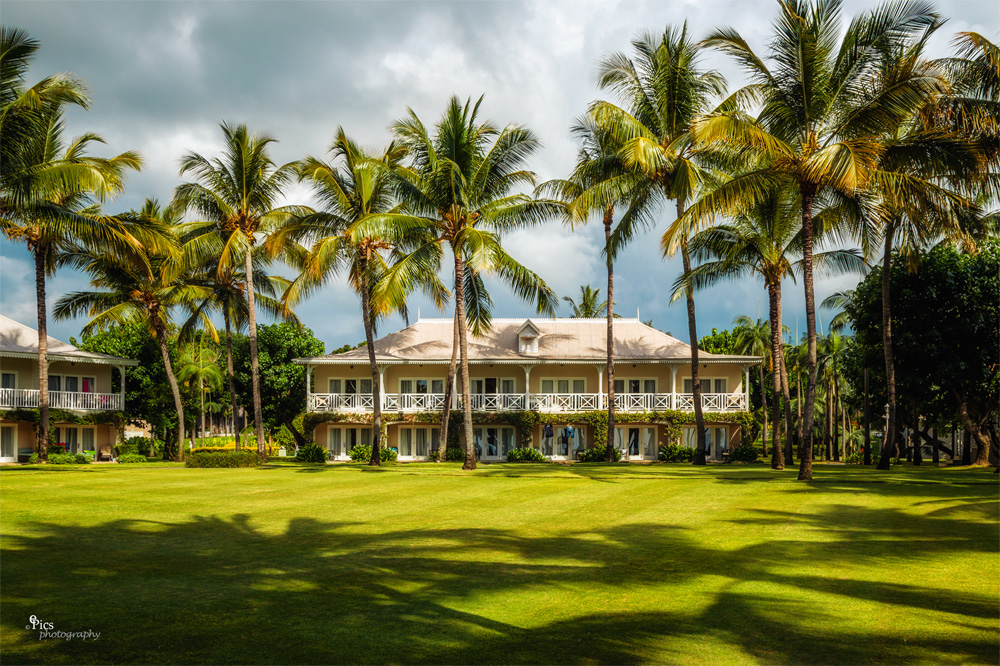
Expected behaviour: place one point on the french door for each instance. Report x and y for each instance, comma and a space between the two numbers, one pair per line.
415, 443
8, 443
565, 443
341, 440
493, 443
636, 442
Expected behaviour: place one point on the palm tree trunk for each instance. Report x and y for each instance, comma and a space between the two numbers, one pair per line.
785, 391
699, 418
837, 413
449, 390
41, 254
829, 423
918, 456
805, 463
609, 454
366, 313
890, 367
463, 347
798, 408
201, 392
229, 373
776, 354
868, 427
161, 337
763, 408
254, 362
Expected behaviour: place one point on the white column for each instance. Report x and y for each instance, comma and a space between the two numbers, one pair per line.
121, 369
601, 402
673, 387
381, 387
309, 370
527, 385
746, 387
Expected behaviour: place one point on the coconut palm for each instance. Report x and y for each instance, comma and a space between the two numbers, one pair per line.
590, 305
236, 196
49, 186
227, 289
355, 187
824, 111
763, 241
130, 292
754, 338
839, 300
663, 90
461, 186
200, 364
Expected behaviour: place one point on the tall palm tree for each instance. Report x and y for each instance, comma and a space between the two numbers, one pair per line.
461, 186
763, 241
353, 189
590, 305
49, 187
236, 195
754, 338
663, 90
839, 300
199, 363
228, 296
823, 114
130, 292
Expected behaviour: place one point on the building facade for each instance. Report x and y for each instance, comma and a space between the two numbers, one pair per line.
85, 415
554, 368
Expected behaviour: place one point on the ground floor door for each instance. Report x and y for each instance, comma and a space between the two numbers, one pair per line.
415, 443
563, 442
636, 442
76, 439
340, 440
8, 443
716, 440
493, 443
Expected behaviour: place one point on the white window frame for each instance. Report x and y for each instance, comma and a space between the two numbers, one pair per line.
17, 378
430, 384
431, 441
480, 432
79, 382
79, 436
642, 384
644, 430
14, 428
711, 378
361, 429
555, 384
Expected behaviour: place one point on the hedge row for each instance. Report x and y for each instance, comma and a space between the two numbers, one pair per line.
222, 459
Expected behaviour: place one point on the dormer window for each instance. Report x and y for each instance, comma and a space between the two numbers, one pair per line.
527, 338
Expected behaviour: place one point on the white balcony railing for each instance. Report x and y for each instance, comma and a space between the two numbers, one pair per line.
29, 399
543, 402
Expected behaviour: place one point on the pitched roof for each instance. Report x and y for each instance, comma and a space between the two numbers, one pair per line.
559, 340
20, 341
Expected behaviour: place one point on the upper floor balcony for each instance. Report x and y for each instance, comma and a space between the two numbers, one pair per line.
15, 398
542, 402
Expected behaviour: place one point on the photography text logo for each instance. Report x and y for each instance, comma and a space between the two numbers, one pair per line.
48, 630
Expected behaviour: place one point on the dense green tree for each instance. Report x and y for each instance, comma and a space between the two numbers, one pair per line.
278, 345
947, 323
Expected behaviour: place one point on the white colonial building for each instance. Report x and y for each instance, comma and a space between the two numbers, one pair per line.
553, 367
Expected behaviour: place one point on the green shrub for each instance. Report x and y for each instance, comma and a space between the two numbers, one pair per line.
855, 458
525, 455
132, 458
598, 454
82, 459
66, 459
453, 454
222, 459
33, 460
283, 437
744, 453
312, 453
363, 453
675, 453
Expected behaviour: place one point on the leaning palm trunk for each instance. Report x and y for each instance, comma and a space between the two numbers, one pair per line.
366, 314
463, 347
43, 355
805, 462
785, 393
699, 418
201, 393
890, 368
254, 363
776, 460
609, 455
763, 407
449, 391
229, 373
161, 337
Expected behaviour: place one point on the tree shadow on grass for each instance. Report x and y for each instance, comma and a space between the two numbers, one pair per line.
217, 589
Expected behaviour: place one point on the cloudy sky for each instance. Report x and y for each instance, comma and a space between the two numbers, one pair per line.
163, 75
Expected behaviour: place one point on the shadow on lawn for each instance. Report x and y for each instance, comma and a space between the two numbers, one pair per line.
219, 590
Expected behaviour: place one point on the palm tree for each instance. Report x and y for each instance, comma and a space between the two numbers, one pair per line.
237, 196
839, 300
823, 115
200, 363
663, 90
763, 241
130, 292
460, 187
355, 188
754, 338
227, 294
590, 305
49, 187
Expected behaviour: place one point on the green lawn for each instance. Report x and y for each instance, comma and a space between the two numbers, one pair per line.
513, 563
